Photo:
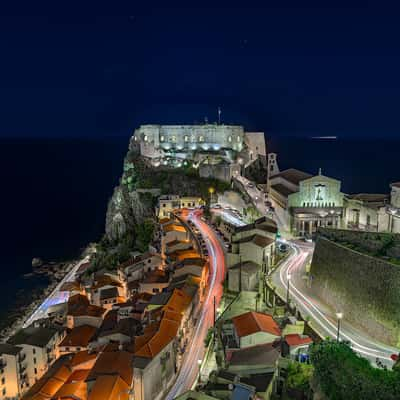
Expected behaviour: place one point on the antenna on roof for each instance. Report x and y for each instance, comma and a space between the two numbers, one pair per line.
219, 115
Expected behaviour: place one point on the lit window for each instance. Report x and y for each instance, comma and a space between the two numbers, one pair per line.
172, 139
186, 138
201, 139
162, 138
238, 139
229, 138
145, 138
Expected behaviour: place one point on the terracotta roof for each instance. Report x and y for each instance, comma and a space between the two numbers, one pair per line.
174, 227
253, 322
109, 293
369, 197
109, 387
118, 363
79, 336
292, 175
83, 357
78, 375
294, 339
395, 184
79, 305
72, 391
178, 302
166, 333
164, 220
51, 381
105, 280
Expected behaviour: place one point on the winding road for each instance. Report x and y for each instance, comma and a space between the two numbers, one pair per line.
189, 370
322, 317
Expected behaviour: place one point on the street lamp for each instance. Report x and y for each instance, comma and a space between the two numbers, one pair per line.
339, 316
199, 362
289, 277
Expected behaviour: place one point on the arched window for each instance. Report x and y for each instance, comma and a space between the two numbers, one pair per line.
186, 138
229, 138
162, 138
201, 138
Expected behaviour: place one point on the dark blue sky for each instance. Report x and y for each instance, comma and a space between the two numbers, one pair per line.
286, 67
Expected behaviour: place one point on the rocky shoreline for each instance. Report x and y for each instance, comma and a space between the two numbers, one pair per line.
24, 306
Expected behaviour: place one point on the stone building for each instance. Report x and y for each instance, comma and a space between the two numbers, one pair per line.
305, 202
389, 215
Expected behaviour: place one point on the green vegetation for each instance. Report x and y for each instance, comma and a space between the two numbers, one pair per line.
343, 375
375, 244
299, 376
144, 234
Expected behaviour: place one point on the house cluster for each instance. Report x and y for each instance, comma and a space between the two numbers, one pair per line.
255, 352
120, 335
251, 254
305, 202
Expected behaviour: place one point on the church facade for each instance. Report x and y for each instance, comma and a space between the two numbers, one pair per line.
319, 202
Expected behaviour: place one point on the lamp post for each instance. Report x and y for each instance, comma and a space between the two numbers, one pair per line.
339, 316
289, 277
199, 362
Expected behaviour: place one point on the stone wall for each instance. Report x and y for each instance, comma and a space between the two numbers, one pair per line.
366, 289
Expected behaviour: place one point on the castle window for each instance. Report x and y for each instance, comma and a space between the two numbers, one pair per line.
162, 138
201, 138
145, 138
229, 138
186, 138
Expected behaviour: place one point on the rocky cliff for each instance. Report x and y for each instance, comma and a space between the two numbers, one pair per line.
136, 195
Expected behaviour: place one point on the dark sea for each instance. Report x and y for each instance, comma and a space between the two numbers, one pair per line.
55, 192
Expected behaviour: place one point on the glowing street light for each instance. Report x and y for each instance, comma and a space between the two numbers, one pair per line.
339, 316
289, 277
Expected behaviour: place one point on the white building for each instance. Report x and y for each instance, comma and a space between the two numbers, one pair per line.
389, 218
170, 202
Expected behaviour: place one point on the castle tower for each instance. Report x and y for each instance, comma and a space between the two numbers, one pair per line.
272, 168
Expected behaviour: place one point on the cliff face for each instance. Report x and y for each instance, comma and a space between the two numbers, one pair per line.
365, 288
134, 198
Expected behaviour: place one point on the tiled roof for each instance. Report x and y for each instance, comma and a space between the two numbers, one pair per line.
35, 336
369, 197
295, 339
178, 302
253, 322
395, 184
292, 175
6, 348
109, 387
156, 276
166, 333
105, 280
174, 227
266, 353
79, 336
113, 363
83, 357
79, 305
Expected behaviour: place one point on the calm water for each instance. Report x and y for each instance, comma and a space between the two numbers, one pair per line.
55, 192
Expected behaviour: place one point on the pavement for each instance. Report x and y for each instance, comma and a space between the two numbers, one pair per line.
322, 317
56, 296
189, 371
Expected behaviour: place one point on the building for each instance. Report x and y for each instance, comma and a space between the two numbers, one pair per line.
173, 144
249, 329
294, 346
81, 312
363, 211
13, 376
244, 277
77, 339
171, 202
389, 215
304, 202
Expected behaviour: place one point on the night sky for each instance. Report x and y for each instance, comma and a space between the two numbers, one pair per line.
287, 67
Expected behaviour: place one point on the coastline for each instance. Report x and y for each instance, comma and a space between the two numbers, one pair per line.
36, 309
26, 311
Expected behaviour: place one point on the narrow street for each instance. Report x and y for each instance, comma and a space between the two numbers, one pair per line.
195, 351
